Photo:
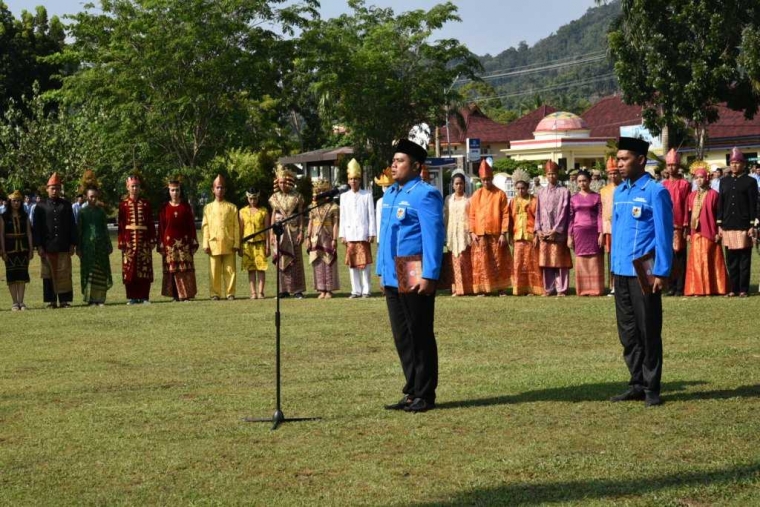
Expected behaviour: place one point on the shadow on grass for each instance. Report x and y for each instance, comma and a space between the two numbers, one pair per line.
671, 391
584, 490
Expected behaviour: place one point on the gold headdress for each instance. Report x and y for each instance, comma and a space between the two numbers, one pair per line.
521, 175
699, 166
16, 195
354, 169
385, 179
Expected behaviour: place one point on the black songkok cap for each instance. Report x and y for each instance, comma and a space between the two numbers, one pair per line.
633, 144
414, 150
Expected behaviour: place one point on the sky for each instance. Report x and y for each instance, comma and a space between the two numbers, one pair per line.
487, 26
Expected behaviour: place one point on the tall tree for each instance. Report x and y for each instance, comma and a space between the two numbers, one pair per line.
378, 74
178, 82
24, 44
680, 58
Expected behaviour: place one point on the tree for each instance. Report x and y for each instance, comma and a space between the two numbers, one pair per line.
377, 73
679, 59
24, 44
174, 83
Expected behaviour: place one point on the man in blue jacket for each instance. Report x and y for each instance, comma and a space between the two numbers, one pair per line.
412, 225
642, 223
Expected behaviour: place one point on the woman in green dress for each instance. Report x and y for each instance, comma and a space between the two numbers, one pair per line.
94, 250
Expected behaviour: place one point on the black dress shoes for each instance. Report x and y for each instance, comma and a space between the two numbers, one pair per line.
630, 395
401, 405
652, 400
420, 405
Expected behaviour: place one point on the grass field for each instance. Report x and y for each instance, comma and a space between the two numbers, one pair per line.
144, 405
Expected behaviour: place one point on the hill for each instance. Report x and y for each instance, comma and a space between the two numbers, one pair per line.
568, 69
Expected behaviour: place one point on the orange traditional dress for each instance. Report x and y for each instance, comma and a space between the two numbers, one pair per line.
706, 273
526, 274
489, 219
456, 218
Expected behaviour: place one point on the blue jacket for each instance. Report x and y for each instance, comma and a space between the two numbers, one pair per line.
642, 221
411, 224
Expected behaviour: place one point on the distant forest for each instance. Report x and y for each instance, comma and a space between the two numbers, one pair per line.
548, 72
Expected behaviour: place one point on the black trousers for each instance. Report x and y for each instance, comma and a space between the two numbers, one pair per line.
49, 295
739, 263
639, 323
412, 317
679, 268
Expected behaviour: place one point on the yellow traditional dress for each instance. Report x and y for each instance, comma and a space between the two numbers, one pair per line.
221, 235
254, 250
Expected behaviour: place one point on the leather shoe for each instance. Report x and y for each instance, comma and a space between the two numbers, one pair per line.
420, 405
652, 400
630, 395
401, 405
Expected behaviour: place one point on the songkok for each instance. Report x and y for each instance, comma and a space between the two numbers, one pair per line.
54, 180
573, 172
414, 150
16, 195
521, 175
633, 144
385, 179
611, 165
219, 180
736, 156
698, 167
485, 170
252, 192
354, 169
672, 157
551, 167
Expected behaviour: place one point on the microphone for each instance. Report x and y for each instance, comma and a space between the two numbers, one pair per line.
332, 192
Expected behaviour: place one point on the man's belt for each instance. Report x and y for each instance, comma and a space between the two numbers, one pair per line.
136, 227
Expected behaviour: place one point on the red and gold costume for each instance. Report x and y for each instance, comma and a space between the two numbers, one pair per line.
177, 243
137, 235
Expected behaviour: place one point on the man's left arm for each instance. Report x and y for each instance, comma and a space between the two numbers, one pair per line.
430, 214
662, 214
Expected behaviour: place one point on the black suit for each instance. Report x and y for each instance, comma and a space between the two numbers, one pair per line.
55, 231
737, 211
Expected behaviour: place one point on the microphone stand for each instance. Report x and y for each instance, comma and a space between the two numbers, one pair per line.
279, 417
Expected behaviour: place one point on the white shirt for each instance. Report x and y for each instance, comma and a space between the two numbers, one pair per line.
357, 216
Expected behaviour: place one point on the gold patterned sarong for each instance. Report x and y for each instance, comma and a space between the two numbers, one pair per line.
736, 240
491, 265
527, 274
552, 254
56, 266
358, 254
706, 273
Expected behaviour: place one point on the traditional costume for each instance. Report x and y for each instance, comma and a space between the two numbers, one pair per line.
522, 216
137, 235
16, 243
489, 221
679, 190
596, 183
177, 243
736, 216
56, 234
384, 181
706, 268
288, 256
585, 226
94, 254
357, 226
323, 236
457, 221
606, 193
552, 215
254, 249
221, 240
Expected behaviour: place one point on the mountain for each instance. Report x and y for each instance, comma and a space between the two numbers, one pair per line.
568, 69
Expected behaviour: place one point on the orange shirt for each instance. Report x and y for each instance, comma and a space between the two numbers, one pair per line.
489, 212
606, 193
523, 217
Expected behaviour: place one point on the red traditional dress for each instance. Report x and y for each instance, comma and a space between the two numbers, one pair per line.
706, 269
177, 243
137, 234
679, 190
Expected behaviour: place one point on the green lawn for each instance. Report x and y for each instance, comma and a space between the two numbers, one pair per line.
144, 405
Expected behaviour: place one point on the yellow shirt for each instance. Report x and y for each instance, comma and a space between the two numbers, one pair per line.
221, 229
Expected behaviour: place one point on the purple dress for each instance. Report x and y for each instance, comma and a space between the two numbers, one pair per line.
586, 223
